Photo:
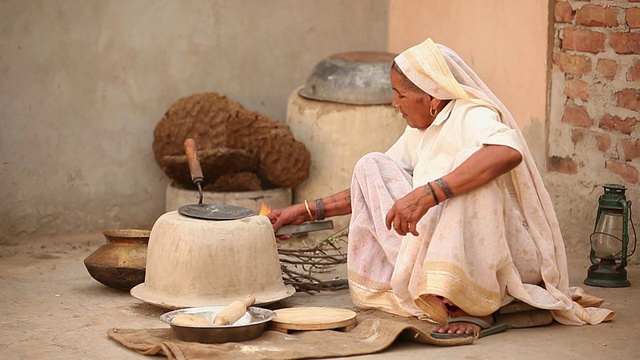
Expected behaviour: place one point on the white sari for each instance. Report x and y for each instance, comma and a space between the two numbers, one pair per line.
478, 249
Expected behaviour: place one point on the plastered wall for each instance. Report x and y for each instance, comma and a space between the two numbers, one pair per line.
85, 81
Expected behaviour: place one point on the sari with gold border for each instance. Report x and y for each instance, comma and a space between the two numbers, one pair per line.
480, 249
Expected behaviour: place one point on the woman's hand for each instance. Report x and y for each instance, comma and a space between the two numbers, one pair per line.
483, 166
334, 205
408, 210
294, 214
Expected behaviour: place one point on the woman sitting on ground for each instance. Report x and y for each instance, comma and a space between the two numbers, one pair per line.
453, 221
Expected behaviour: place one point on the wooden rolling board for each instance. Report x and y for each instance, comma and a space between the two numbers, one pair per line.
313, 318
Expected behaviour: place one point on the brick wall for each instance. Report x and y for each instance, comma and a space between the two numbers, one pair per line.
594, 135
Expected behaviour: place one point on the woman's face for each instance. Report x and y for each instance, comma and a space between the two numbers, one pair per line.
411, 102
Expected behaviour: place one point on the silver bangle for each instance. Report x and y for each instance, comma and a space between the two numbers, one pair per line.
445, 188
433, 193
319, 209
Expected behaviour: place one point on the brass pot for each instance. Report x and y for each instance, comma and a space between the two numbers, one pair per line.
121, 262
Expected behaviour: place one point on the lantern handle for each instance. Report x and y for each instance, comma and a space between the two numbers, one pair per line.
626, 210
635, 237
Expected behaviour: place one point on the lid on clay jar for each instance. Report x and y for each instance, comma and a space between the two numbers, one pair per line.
358, 77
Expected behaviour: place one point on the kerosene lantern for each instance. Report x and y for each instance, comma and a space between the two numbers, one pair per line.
610, 239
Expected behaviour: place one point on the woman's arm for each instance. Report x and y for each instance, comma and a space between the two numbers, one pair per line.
483, 166
334, 205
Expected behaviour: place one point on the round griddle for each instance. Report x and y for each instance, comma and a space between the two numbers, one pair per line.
215, 211
207, 211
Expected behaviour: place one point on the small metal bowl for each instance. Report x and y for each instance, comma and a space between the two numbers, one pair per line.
250, 326
358, 77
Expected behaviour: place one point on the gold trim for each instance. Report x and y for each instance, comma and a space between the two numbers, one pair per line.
371, 285
433, 307
369, 294
451, 282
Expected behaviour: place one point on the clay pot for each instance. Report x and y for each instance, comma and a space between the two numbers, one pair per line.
121, 262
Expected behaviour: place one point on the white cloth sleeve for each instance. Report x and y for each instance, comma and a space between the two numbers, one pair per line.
484, 126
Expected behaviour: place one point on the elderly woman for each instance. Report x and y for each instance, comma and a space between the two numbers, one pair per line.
453, 221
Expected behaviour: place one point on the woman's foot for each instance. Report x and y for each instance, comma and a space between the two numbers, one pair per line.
462, 327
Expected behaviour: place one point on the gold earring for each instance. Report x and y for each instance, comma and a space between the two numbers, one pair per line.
433, 111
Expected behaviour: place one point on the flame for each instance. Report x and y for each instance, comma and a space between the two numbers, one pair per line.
265, 209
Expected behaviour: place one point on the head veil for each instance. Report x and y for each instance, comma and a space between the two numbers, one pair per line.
441, 73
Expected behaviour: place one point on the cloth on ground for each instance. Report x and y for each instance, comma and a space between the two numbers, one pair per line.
375, 332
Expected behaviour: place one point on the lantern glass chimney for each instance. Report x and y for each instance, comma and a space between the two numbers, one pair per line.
607, 237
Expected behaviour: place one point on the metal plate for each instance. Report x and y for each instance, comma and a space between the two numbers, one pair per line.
215, 211
250, 326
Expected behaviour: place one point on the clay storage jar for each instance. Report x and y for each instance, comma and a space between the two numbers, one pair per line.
347, 96
194, 263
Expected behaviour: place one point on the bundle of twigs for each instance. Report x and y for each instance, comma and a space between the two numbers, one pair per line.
301, 266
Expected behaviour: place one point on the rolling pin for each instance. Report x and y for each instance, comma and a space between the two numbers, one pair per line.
234, 311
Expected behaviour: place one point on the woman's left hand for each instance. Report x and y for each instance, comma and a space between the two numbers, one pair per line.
408, 210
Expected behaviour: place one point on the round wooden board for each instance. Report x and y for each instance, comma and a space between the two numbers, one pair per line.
313, 318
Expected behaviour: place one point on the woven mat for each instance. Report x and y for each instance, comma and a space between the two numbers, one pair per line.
374, 332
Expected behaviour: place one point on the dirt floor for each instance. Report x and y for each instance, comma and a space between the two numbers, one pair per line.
53, 309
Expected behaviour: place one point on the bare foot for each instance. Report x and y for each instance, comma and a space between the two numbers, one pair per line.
462, 327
